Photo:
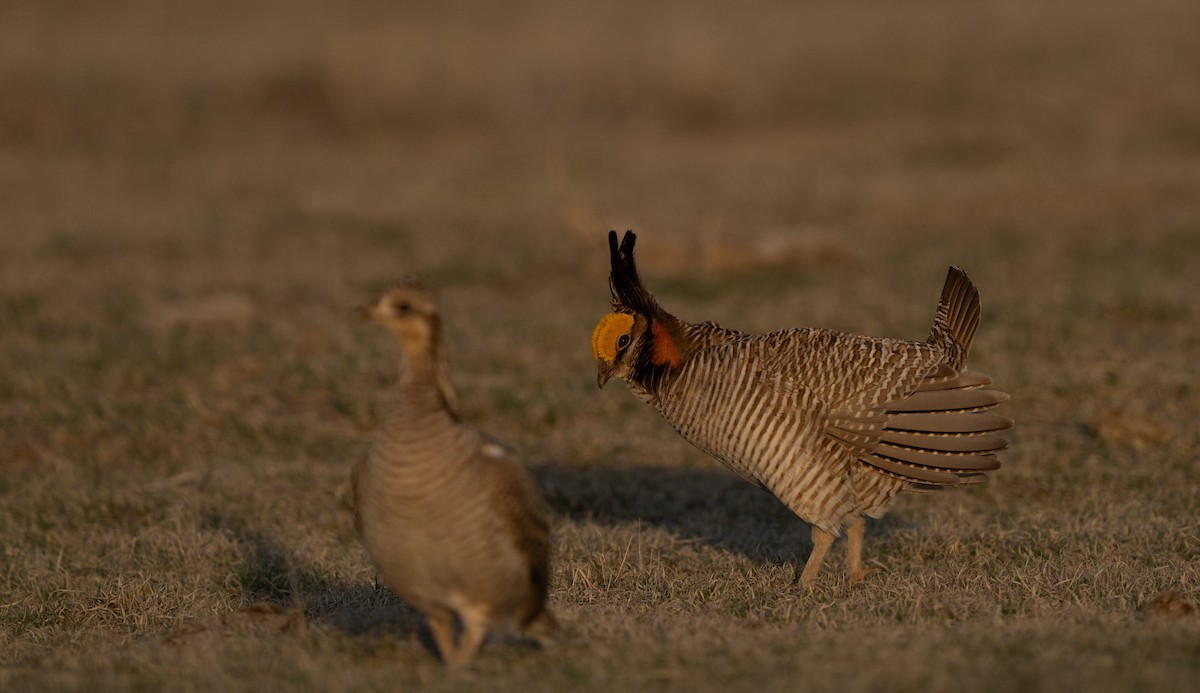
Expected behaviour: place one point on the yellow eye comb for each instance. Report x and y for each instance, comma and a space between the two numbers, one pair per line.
604, 337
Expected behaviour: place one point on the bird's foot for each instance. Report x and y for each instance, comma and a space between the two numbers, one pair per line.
856, 575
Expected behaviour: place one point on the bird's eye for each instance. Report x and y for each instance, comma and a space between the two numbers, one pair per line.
623, 341
403, 307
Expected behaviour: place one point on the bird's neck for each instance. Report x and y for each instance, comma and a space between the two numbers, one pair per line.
673, 342
425, 382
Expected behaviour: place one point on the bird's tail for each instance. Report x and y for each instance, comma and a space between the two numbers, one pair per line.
957, 317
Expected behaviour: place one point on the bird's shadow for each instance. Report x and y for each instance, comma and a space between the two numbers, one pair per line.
271, 575
709, 505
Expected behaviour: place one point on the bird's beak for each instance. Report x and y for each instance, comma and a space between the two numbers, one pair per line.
362, 313
602, 376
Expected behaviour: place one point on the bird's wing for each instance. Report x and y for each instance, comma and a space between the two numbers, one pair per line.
519, 502
914, 416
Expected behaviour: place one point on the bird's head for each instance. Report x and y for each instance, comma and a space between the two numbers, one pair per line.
635, 337
407, 310
616, 342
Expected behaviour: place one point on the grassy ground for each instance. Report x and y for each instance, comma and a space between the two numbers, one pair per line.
194, 196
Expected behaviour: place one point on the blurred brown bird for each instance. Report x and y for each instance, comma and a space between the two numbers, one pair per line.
452, 520
835, 425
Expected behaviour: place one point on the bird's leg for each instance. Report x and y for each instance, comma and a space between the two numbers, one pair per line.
542, 629
441, 624
822, 540
474, 628
855, 572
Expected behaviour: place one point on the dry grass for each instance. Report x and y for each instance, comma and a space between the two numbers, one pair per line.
193, 199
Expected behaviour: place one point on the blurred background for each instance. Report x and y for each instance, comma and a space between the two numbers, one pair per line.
787, 163
828, 127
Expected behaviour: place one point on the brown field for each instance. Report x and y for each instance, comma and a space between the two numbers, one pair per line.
193, 196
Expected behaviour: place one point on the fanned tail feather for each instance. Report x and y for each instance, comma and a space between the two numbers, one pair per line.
956, 400
946, 378
963, 480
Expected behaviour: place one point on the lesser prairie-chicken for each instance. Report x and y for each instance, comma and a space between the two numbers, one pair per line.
835, 425
451, 519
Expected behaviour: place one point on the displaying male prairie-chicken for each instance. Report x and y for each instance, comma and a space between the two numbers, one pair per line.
451, 519
835, 425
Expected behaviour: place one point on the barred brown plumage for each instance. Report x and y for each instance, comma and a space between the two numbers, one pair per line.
835, 425
451, 519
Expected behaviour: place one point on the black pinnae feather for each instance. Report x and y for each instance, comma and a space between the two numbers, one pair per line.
624, 283
615, 259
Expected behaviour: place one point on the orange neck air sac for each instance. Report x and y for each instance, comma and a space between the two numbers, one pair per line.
666, 349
